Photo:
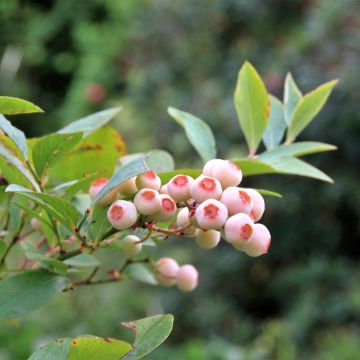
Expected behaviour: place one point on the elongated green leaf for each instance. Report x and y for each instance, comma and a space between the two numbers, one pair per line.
157, 160
61, 210
79, 185
56, 350
99, 223
150, 332
277, 125
307, 108
26, 292
82, 260
252, 105
97, 153
91, 122
197, 131
141, 272
292, 96
12, 106
293, 166
253, 167
18, 165
269, 193
168, 175
16, 135
126, 172
95, 348
50, 149
297, 149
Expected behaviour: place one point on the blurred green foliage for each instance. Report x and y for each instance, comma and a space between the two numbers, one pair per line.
302, 300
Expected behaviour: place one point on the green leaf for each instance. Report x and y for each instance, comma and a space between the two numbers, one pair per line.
12, 167
197, 131
16, 135
90, 123
82, 260
297, 149
277, 125
292, 96
150, 332
12, 106
50, 149
307, 108
99, 223
126, 172
157, 160
3, 248
95, 348
28, 291
61, 210
292, 166
141, 272
269, 193
253, 167
168, 175
96, 153
252, 105
56, 350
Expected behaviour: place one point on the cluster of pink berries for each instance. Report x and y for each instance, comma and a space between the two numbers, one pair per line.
206, 207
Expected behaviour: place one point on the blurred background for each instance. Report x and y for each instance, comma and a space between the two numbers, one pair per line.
302, 300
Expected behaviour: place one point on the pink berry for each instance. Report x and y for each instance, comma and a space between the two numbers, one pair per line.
207, 239
167, 210
106, 200
122, 214
187, 278
128, 187
166, 271
148, 180
238, 229
179, 187
182, 219
211, 214
237, 200
205, 187
209, 166
259, 242
164, 190
131, 245
228, 173
36, 224
258, 205
147, 201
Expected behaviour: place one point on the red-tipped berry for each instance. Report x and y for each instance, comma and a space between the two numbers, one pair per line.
258, 208
131, 245
207, 239
164, 190
187, 278
182, 219
122, 214
128, 187
166, 271
148, 180
204, 188
106, 200
211, 214
228, 173
238, 229
210, 165
259, 242
179, 187
147, 201
167, 210
237, 200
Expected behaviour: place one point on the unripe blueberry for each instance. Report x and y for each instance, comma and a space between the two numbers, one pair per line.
205, 187
238, 229
182, 219
179, 187
187, 278
209, 166
228, 173
128, 187
207, 239
147, 201
36, 224
258, 205
259, 242
164, 190
167, 210
148, 180
211, 214
166, 271
122, 214
106, 200
237, 200
131, 245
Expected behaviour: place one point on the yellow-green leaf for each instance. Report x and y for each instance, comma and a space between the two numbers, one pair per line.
13, 106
